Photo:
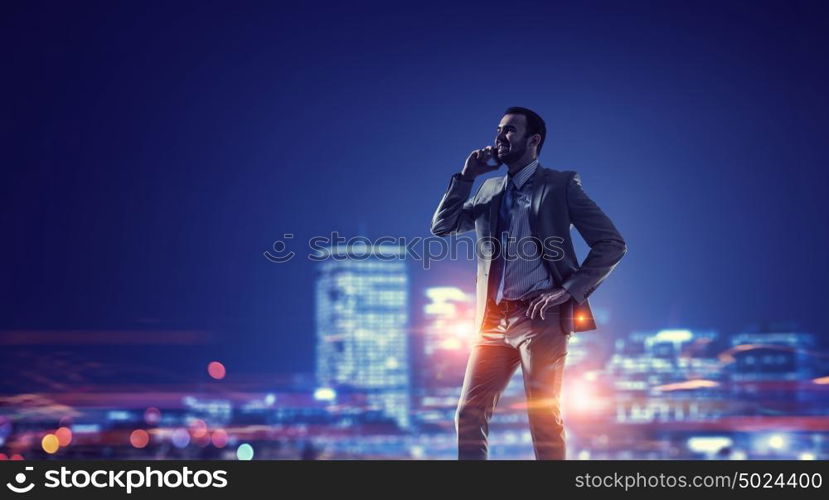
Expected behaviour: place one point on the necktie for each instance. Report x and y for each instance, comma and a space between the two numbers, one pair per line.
499, 263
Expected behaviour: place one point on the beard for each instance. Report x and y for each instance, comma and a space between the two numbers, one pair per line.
516, 151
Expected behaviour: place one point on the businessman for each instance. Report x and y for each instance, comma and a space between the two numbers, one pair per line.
531, 291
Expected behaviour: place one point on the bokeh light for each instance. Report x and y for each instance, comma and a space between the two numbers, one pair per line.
64, 435
709, 444
180, 438
244, 452
17, 456
152, 415
50, 443
5, 427
139, 438
325, 394
777, 442
199, 432
3, 456
198, 429
219, 438
216, 370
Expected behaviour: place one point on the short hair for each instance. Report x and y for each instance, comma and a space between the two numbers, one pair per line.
535, 125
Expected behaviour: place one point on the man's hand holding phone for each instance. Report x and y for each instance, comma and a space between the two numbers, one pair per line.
480, 162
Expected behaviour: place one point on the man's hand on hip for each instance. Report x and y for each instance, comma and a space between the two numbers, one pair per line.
546, 301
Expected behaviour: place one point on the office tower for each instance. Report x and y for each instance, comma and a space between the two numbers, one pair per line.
669, 375
772, 372
362, 324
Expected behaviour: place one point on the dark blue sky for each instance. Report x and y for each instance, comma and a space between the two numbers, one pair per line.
152, 153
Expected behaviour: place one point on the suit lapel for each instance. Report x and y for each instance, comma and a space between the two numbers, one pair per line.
539, 190
539, 186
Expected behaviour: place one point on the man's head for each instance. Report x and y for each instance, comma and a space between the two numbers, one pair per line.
520, 136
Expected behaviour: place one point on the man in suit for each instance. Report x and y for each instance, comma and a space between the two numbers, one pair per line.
531, 291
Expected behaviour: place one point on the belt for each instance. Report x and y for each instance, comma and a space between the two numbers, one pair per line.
509, 305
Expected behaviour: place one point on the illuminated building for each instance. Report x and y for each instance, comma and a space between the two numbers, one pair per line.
669, 375
772, 356
362, 324
772, 372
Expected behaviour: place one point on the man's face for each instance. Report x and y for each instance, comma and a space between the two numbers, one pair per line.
511, 140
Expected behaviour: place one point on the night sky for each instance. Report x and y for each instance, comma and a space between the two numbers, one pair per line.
152, 151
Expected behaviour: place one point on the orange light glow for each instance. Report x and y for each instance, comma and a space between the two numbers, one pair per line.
582, 397
50, 443
687, 385
821, 380
216, 370
64, 435
581, 318
139, 438
539, 403
728, 356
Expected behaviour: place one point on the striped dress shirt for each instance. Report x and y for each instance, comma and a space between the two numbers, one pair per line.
524, 273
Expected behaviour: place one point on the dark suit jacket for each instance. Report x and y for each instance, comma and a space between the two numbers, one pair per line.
558, 202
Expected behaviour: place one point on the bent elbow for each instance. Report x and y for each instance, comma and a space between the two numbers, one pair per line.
615, 248
438, 230
622, 249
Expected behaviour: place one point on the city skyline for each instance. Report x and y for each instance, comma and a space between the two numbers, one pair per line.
159, 155
151, 169
672, 393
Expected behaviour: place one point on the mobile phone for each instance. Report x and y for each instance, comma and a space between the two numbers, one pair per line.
492, 159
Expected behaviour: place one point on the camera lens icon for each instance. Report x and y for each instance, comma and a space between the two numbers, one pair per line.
20, 478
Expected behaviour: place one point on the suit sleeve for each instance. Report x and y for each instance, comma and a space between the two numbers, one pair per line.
607, 247
454, 214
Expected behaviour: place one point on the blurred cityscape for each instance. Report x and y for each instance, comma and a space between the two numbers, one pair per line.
389, 365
